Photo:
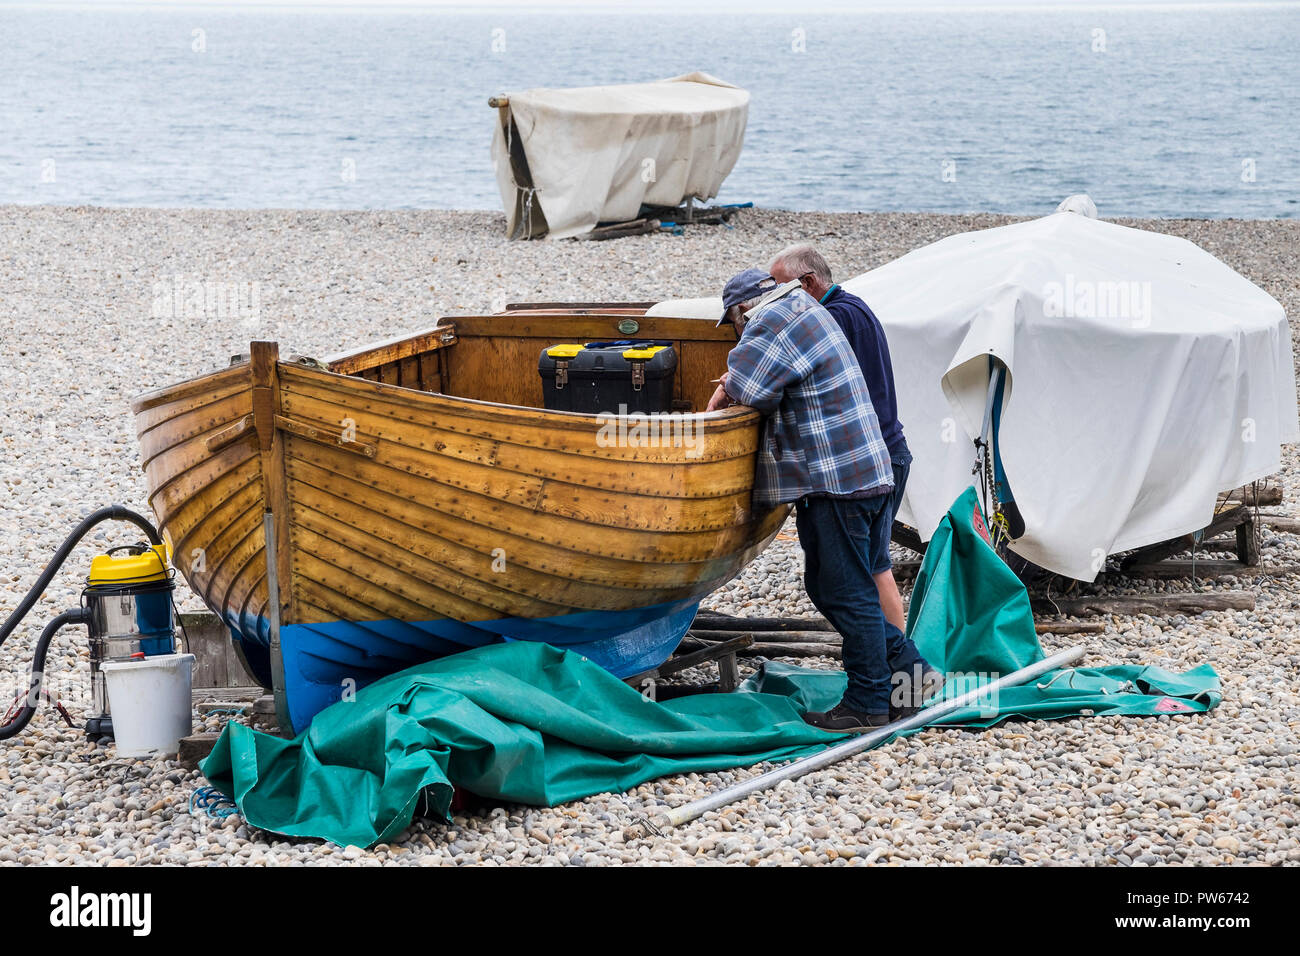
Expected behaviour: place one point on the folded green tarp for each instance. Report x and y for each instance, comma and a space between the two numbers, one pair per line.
528, 723
970, 617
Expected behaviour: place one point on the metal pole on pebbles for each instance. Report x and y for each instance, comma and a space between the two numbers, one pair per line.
660, 822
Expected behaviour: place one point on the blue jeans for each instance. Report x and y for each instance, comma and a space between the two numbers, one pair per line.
836, 535
880, 560
902, 462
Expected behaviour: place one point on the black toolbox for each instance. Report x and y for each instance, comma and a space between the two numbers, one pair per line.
615, 377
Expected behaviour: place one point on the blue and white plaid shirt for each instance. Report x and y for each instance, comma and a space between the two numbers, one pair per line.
822, 436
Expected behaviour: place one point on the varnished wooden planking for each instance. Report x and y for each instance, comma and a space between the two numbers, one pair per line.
412, 535
193, 524
253, 604
438, 522
627, 308
430, 377
707, 467
248, 584
337, 605
529, 580
735, 418
642, 513
392, 593
584, 492
720, 435
489, 472
168, 464
181, 424
699, 364
174, 399
202, 479
484, 507
229, 553
702, 350
586, 327
409, 374
458, 519
200, 418
498, 370
438, 561
345, 574
715, 435
199, 520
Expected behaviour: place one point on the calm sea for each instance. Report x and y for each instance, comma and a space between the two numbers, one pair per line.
1154, 112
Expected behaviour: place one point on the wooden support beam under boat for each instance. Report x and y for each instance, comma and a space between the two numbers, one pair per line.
1257, 494
1154, 604
907, 537
713, 620
1224, 521
767, 649
711, 625
723, 652
1173, 569
1283, 523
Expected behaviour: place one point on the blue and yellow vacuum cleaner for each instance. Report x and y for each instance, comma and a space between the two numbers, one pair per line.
126, 607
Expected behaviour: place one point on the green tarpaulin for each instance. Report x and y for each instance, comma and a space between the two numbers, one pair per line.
527, 723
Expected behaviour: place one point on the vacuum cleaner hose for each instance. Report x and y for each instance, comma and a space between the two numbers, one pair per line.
111, 513
37, 679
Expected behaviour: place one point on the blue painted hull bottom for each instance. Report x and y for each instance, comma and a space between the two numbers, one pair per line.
324, 661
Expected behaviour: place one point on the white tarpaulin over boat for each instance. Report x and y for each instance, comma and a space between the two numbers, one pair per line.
1145, 377
568, 159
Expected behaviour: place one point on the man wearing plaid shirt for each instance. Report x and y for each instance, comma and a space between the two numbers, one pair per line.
822, 448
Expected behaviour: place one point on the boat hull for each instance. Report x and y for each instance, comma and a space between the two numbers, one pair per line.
412, 524
323, 663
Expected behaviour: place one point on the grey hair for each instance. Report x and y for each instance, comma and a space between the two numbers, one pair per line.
802, 259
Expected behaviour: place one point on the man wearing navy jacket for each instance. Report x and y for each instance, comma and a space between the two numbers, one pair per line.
867, 339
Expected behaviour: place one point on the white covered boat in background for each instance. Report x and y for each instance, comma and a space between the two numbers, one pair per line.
568, 159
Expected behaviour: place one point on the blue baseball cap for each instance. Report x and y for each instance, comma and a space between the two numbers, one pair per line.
744, 286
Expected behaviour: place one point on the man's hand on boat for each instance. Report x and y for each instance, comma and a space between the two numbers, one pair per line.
720, 397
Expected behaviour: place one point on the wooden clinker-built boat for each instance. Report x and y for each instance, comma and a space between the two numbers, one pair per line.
419, 501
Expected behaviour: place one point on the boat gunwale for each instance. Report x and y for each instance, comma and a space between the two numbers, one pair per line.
662, 456
431, 336
189, 386
725, 420
738, 416
735, 416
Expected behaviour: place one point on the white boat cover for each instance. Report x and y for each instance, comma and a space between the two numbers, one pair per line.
583, 156
1145, 377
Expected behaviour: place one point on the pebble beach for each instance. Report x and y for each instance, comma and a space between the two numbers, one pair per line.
84, 295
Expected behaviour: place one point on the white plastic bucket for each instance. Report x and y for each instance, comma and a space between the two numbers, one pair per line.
150, 703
